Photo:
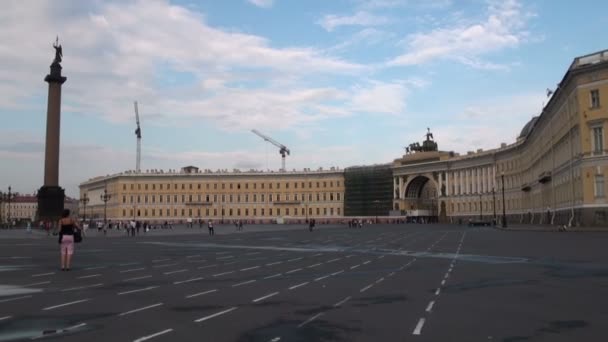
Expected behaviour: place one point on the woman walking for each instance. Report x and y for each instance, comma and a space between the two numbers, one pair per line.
67, 227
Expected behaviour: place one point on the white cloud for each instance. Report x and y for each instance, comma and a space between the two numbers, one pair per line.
361, 18
262, 3
503, 28
380, 97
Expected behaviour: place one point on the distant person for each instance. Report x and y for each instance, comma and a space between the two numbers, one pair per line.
67, 227
311, 225
138, 226
29, 227
210, 226
240, 225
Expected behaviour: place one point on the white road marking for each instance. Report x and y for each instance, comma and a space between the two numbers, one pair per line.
332, 260
244, 283
193, 256
349, 256
274, 276
311, 319
264, 297
137, 278
164, 265
418, 329
443, 282
446, 276
43, 274
353, 267
293, 271
202, 267
94, 268
226, 257
133, 270
315, 265
382, 256
230, 263
215, 315
366, 288
82, 287
276, 339
187, 281
145, 338
342, 301
178, 271
138, 290
65, 304
201, 293
430, 306
379, 280
295, 259
128, 264
367, 262
391, 274
437, 291
253, 253
323, 277
274, 263
224, 252
299, 285
160, 260
14, 298
249, 268
5, 318
318, 254
223, 273
140, 309
89, 276
336, 273
40, 283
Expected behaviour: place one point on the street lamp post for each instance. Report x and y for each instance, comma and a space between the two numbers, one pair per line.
504, 208
105, 197
84, 200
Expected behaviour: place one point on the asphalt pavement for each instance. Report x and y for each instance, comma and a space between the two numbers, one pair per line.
284, 283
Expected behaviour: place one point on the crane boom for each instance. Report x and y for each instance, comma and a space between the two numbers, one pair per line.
283, 150
138, 135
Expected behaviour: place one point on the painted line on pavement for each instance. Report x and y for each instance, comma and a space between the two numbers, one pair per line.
338, 272
299, 285
14, 298
82, 287
265, 297
128, 264
342, 301
187, 281
133, 270
226, 257
137, 278
89, 276
366, 288
164, 265
145, 338
201, 293
223, 273
161, 260
244, 283
140, 309
93, 268
5, 318
215, 315
293, 271
40, 283
418, 329
333, 260
311, 319
437, 291
249, 268
295, 259
42, 274
203, 267
274, 263
178, 271
315, 265
138, 290
355, 266
65, 304
274, 276
430, 306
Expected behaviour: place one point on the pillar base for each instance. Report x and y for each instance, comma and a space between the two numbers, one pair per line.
50, 202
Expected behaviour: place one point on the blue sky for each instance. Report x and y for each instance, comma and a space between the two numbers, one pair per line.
340, 82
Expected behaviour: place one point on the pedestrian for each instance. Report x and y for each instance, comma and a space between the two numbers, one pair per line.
240, 225
210, 226
138, 226
67, 228
29, 227
311, 225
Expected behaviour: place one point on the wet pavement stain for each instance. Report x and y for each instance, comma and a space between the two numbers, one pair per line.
287, 330
554, 327
388, 299
30, 327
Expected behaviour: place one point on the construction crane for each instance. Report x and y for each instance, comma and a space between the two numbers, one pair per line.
138, 134
283, 150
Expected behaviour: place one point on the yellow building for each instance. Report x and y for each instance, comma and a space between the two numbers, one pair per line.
225, 196
553, 174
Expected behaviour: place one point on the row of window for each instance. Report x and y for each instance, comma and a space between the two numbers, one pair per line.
229, 212
232, 198
231, 186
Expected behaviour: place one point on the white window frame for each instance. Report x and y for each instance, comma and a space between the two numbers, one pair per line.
593, 139
592, 104
599, 190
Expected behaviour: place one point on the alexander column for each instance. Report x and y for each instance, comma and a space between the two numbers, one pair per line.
51, 195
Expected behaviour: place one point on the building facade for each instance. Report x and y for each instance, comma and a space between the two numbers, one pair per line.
192, 194
23, 208
554, 173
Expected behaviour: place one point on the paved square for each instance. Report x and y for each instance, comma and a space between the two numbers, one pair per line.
283, 283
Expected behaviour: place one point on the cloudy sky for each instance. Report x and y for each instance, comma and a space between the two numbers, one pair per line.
340, 82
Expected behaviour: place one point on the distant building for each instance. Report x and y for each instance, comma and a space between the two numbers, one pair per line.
25, 208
